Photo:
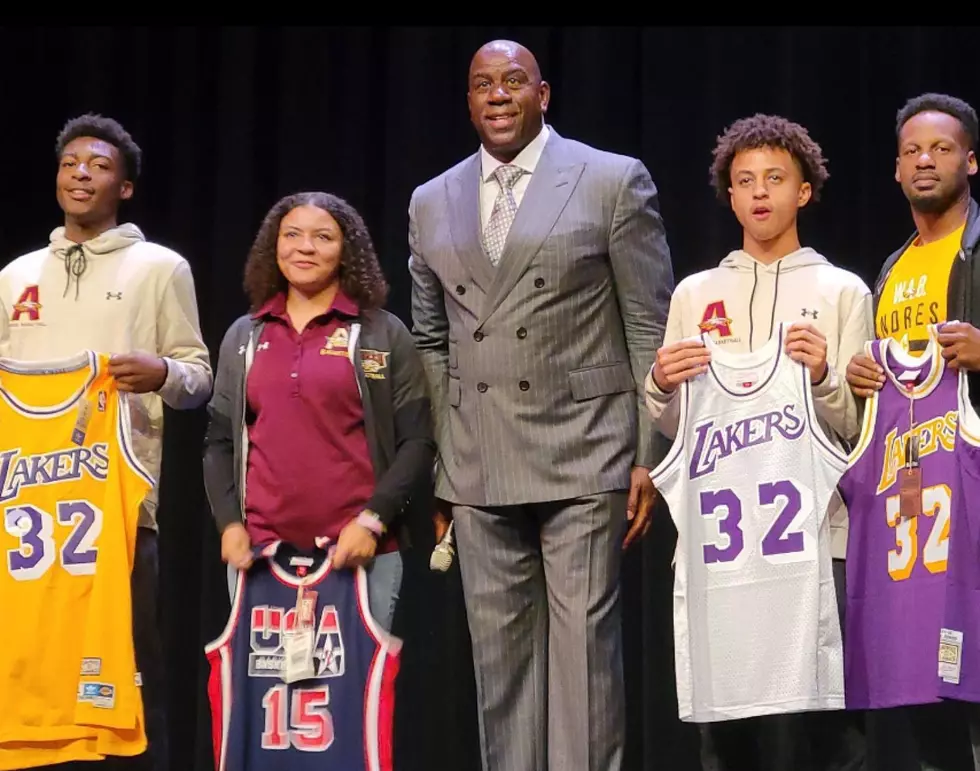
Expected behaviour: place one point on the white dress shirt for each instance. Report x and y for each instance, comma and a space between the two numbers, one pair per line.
527, 159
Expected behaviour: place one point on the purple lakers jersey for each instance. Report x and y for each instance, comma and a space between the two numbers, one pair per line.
338, 717
897, 565
959, 637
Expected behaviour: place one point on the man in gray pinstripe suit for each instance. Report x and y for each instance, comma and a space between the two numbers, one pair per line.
541, 283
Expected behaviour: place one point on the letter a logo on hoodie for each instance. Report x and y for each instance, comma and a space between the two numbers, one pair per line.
715, 319
28, 304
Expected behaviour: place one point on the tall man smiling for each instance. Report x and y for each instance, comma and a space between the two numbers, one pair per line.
100, 285
541, 281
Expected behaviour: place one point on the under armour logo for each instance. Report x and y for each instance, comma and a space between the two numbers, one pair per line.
811, 314
113, 295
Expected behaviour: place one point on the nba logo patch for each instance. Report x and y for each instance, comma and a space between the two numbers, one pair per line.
102, 399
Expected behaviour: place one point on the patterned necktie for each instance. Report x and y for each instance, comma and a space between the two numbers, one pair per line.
504, 211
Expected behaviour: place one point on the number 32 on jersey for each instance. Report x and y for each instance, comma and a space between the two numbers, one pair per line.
37, 550
780, 507
936, 509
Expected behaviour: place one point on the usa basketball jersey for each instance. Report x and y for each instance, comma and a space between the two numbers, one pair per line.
748, 481
70, 491
896, 566
341, 717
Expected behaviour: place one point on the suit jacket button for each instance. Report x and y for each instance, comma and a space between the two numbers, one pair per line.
539, 282
478, 335
524, 385
460, 289
522, 333
481, 387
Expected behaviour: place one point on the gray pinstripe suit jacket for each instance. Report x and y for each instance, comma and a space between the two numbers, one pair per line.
536, 367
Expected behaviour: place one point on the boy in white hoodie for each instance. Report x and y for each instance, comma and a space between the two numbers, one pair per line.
767, 169
100, 285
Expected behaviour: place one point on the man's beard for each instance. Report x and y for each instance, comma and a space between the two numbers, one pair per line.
928, 204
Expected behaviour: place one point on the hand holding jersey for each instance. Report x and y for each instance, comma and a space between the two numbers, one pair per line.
864, 376
356, 546
961, 345
138, 372
960, 348
688, 358
807, 345
679, 362
236, 546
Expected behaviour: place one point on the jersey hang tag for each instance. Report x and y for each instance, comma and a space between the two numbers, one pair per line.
82, 421
306, 610
298, 651
910, 492
950, 660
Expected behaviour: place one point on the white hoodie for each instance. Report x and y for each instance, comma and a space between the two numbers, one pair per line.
118, 293
742, 300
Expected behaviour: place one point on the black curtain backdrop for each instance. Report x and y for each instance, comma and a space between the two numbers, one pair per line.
230, 119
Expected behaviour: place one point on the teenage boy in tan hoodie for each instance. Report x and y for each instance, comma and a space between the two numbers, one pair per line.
767, 169
101, 285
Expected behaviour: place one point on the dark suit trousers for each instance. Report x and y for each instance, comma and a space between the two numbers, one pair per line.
541, 583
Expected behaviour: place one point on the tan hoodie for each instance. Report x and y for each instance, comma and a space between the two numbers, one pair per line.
116, 293
741, 301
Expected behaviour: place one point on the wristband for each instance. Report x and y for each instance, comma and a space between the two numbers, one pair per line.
372, 522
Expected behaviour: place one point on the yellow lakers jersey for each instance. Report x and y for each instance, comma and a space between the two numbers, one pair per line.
70, 491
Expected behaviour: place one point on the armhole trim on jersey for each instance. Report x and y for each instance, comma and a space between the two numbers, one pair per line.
968, 421
381, 636
676, 451
867, 429
124, 433
219, 652
826, 447
224, 639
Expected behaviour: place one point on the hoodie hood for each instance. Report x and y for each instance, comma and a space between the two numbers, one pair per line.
76, 256
801, 258
761, 285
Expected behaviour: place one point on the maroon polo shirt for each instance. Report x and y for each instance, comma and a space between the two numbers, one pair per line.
309, 467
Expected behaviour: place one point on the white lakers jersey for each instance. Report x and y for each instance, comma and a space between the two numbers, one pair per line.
748, 481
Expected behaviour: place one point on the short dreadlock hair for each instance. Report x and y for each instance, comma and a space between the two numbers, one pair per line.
108, 130
770, 131
944, 103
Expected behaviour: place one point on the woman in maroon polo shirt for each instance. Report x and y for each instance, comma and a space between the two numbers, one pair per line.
338, 432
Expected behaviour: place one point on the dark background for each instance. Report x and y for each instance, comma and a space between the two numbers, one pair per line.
231, 119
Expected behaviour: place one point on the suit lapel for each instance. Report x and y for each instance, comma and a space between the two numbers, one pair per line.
546, 196
463, 191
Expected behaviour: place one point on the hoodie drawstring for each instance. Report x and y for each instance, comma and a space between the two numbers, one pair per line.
75, 264
775, 296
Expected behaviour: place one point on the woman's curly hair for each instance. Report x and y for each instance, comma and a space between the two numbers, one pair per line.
361, 278
771, 131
